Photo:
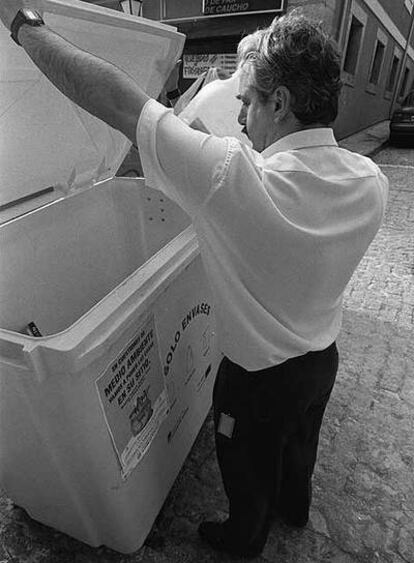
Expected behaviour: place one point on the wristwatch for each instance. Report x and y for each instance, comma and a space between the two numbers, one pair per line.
25, 15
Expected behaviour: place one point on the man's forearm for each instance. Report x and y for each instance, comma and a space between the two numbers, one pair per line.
96, 85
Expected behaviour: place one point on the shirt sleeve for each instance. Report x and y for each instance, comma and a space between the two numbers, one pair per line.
183, 163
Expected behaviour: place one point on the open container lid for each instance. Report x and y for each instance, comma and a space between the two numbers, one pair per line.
46, 140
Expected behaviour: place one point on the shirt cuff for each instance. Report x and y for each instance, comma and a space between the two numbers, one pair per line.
151, 114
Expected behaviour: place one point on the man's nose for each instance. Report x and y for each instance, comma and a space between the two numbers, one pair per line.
242, 117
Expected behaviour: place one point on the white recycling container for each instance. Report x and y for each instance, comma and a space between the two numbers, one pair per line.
99, 410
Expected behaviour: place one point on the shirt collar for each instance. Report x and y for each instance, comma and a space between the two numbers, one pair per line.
319, 136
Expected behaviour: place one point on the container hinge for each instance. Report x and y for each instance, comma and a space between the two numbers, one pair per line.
34, 357
66, 188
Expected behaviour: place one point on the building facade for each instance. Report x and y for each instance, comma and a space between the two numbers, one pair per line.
376, 38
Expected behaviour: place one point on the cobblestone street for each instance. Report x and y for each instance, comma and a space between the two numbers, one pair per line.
363, 507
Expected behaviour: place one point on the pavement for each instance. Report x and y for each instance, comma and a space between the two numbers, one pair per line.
363, 503
368, 141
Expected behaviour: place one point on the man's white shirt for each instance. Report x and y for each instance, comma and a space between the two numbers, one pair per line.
280, 232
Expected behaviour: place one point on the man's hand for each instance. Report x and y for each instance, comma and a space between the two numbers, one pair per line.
9, 9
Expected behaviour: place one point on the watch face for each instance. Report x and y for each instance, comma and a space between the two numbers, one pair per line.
31, 14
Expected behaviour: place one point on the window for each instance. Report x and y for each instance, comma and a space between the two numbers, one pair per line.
404, 81
354, 41
377, 62
353, 46
392, 74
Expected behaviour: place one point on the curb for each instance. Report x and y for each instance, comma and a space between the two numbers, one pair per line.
368, 141
377, 149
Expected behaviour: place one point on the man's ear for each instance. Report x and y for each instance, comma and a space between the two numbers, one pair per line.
281, 99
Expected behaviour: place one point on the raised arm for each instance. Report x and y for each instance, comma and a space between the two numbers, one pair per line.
96, 85
183, 163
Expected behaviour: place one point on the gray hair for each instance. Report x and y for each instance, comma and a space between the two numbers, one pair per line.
298, 54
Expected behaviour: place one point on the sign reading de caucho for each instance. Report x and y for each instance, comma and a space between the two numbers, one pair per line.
228, 7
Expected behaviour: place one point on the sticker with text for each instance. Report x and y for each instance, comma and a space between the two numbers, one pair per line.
133, 397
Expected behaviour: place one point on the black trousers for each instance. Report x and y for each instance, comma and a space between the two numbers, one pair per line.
267, 427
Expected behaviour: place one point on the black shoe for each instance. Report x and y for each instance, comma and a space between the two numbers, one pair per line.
295, 522
291, 521
217, 535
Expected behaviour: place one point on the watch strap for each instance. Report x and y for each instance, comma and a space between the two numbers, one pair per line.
24, 16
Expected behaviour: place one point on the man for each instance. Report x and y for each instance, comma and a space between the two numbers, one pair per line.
281, 229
